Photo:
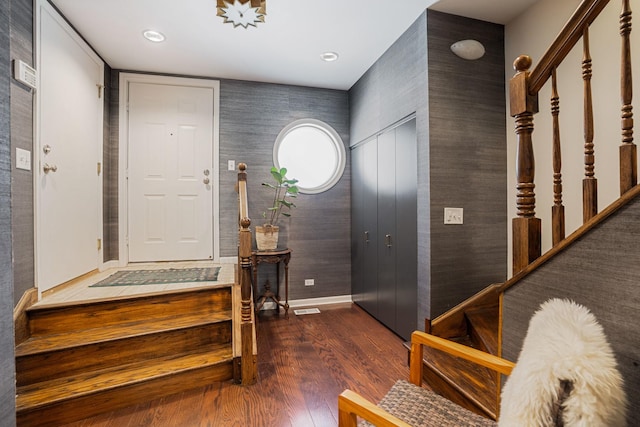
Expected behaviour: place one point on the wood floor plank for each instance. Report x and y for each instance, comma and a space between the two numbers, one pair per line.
304, 362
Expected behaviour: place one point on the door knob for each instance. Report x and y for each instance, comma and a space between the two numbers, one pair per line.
206, 180
49, 168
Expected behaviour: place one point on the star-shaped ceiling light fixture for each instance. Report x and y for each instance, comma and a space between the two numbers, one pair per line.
242, 12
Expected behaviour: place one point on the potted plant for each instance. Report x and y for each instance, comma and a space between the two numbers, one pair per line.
267, 234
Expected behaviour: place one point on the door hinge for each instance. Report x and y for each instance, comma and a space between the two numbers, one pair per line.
99, 168
100, 88
99, 244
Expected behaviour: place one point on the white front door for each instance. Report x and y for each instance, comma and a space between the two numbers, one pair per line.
170, 172
68, 150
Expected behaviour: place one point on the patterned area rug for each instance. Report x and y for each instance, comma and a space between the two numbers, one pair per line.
158, 277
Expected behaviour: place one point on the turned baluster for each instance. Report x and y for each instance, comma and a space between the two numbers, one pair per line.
557, 211
589, 183
628, 156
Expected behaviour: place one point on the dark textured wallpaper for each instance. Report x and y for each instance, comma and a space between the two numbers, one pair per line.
460, 118
318, 232
22, 137
599, 271
468, 149
251, 117
7, 360
392, 89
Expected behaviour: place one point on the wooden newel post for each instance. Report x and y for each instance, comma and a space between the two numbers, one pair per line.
248, 362
526, 227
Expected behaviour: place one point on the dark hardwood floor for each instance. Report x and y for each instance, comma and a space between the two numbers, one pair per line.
304, 363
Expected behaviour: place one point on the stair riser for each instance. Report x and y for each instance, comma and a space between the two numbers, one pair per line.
104, 313
108, 400
442, 387
57, 364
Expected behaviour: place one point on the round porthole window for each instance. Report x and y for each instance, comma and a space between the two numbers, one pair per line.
313, 153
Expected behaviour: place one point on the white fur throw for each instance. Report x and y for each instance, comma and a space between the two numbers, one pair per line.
564, 343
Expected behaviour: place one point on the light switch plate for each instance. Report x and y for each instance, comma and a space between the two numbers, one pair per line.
23, 159
231, 165
453, 215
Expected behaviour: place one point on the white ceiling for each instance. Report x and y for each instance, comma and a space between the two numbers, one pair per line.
285, 49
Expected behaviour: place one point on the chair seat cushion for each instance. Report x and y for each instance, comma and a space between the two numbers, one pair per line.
419, 406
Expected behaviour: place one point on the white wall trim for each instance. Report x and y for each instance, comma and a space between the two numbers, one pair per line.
108, 265
307, 302
125, 79
320, 301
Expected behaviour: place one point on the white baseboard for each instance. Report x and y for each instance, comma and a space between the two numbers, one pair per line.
306, 302
320, 301
228, 260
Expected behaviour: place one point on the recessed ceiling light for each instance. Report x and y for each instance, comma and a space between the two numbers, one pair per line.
329, 56
154, 36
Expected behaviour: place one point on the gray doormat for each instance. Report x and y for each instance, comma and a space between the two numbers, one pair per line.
158, 277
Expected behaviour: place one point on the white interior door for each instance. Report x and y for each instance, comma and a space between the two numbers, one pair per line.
170, 172
68, 150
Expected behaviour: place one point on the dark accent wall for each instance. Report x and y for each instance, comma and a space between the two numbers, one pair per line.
600, 271
7, 358
318, 232
392, 89
22, 137
460, 118
110, 162
251, 117
467, 142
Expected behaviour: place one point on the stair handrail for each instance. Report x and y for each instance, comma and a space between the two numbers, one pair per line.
248, 365
566, 40
524, 87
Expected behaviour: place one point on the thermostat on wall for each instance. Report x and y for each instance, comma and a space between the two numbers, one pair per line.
24, 73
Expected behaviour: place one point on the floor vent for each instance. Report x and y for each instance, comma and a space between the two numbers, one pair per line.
302, 311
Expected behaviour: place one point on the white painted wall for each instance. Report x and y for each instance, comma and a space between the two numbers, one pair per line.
531, 33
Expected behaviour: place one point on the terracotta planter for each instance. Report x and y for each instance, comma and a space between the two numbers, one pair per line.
267, 237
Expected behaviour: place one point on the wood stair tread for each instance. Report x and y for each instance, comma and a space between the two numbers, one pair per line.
476, 383
43, 343
53, 391
142, 297
483, 325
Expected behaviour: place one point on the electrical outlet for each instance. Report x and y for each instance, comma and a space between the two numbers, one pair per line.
309, 282
453, 215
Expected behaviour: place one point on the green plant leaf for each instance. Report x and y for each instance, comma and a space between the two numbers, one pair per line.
283, 188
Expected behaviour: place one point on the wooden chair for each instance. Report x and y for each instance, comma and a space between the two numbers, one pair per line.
565, 363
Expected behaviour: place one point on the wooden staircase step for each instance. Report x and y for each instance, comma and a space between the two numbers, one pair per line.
68, 317
54, 342
469, 385
483, 324
69, 399
66, 360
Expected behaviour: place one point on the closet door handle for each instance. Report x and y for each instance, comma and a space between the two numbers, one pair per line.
366, 237
387, 240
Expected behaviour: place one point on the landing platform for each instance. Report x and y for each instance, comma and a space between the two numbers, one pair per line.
79, 289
